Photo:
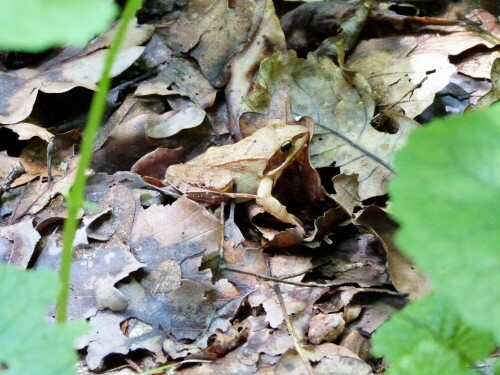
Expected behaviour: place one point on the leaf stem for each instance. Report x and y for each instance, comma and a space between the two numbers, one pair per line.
76, 194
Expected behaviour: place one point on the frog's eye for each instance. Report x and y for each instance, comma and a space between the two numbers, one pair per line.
286, 146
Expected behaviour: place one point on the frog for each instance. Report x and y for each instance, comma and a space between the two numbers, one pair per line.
245, 170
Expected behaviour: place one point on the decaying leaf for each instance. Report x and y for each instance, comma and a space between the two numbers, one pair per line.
38, 193
343, 134
93, 278
267, 38
34, 156
108, 337
17, 243
405, 277
172, 122
402, 71
182, 222
328, 359
213, 32
26, 130
346, 188
20, 87
180, 76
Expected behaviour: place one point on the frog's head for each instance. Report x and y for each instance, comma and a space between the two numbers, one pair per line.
288, 141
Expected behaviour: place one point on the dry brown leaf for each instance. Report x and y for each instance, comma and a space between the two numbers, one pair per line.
34, 156
122, 140
404, 275
95, 271
308, 25
26, 130
174, 286
346, 196
252, 260
17, 243
479, 65
358, 344
184, 221
355, 261
180, 76
297, 299
38, 194
171, 122
107, 337
401, 71
266, 38
19, 88
6, 164
331, 359
121, 203
213, 32
155, 163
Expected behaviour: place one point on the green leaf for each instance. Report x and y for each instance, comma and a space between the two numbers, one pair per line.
35, 25
447, 198
30, 345
429, 337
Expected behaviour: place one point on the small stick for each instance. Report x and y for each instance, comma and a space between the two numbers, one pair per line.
291, 330
226, 267
133, 365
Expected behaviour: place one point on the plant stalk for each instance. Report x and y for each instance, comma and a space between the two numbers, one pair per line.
75, 196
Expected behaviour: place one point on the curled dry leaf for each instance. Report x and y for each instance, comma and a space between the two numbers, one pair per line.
171, 122
38, 193
34, 156
180, 76
19, 88
155, 163
405, 277
308, 25
17, 243
346, 196
6, 164
26, 130
107, 337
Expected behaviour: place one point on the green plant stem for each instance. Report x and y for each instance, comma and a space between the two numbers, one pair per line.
76, 194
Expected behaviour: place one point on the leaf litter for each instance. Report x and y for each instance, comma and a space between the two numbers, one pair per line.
162, 278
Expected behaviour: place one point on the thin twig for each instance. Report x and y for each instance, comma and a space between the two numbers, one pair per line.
291, 330
226, 267
133, 365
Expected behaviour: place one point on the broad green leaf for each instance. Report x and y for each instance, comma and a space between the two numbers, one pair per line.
429, 337
35, 25
447, 198
29, 345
